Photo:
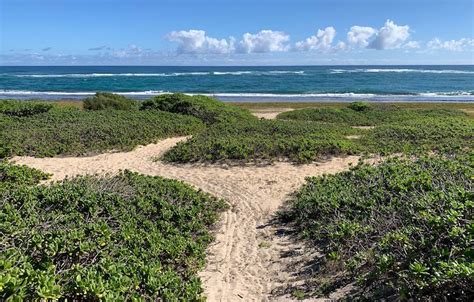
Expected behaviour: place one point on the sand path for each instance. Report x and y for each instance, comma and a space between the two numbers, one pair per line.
269, 113
250, 256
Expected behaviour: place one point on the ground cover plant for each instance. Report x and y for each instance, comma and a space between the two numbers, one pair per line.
207, 109
70, 131
443, 134
366, 114
303, 141
400, 230
127, 237
14, 175
23, 108
106, 100
257, 140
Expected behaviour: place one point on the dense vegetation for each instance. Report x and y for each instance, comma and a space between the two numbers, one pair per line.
403, 229
446, 134
13, 175
265, 140
77, 132
362, 114
128, 237
106, 100
302, 141
207, 109
22, 108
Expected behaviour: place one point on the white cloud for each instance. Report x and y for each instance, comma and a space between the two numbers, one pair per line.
195, 42
359, 35
390, 36
263, 41
321, 41
453, 45
412, 45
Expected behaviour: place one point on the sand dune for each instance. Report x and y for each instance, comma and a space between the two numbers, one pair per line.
250, 257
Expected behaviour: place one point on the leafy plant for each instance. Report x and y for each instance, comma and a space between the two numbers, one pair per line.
93, 239
360, 106
401, 229
207, 109
357, 114
106, 100
15, 175
23, 108
77, 132
265, 140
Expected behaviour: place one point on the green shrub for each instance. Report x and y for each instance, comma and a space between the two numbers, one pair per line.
127, 237
400, 230
15, 175
23, 108
377, 115
442, 134
360, 106
207, 109
76, 132
105, 100
267, 140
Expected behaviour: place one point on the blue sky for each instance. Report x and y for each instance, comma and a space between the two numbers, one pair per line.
236, 32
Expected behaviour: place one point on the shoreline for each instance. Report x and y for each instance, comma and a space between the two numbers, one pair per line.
260, 98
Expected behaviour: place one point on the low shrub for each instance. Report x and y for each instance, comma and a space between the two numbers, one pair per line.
106, 100
355, 115
23, 108
265, 140
16, 175
400, 230
207, 109
360, 106
130, 237
442, 134
75, 132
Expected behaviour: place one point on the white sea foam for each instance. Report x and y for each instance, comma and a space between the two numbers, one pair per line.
446, 95
257, 72
231, 72
400, 70
95, 75
173, 74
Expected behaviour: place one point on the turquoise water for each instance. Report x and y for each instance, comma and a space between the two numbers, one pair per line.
298, 83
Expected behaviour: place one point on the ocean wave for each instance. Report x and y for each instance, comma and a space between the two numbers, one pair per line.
468, 94
79, 93
173, 74
231, 72
95, 75
256, 72
399, 70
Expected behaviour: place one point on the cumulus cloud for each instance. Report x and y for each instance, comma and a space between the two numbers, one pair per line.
412, 45
196, 41
321, 41
390, 36
359, 35
263, 41
453, 45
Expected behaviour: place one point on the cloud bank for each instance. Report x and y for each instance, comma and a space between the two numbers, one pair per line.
389, 36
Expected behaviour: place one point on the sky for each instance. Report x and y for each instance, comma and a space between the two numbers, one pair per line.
236, 32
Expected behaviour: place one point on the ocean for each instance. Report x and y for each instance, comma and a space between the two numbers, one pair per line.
269, 83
